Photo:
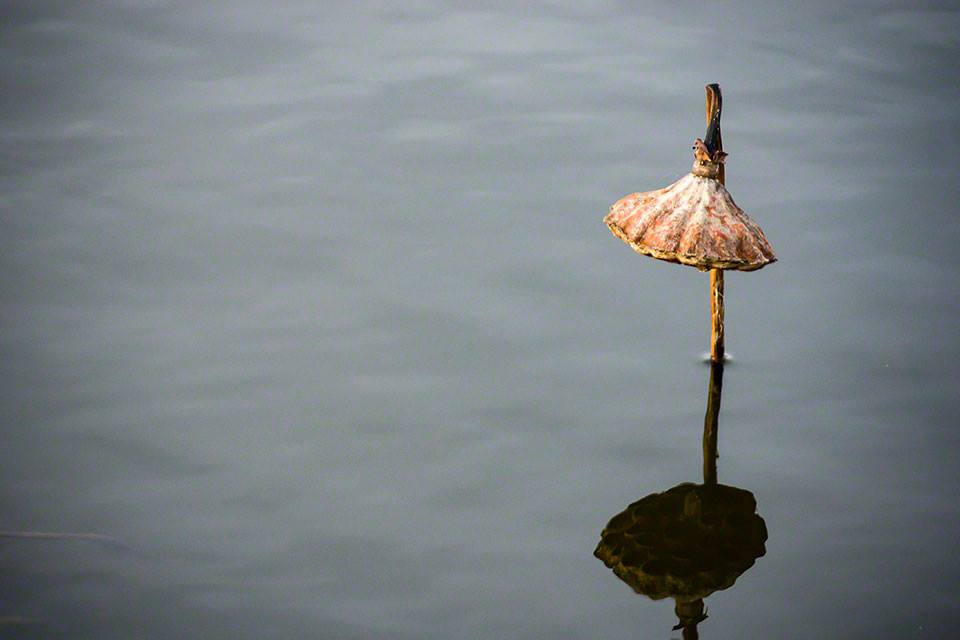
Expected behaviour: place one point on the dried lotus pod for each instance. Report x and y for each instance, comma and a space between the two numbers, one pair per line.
695, 222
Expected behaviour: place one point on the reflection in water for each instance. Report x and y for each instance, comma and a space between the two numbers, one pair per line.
688, 541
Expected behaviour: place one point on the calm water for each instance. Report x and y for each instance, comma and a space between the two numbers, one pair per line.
310, 310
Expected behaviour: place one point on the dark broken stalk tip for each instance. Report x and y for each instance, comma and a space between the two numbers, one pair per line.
713, 140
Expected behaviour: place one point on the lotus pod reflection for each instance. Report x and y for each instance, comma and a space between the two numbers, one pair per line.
686, 542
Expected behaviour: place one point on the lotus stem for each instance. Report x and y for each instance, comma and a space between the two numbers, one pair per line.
714, 142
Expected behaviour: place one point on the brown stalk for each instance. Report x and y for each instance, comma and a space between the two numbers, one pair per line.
716, 275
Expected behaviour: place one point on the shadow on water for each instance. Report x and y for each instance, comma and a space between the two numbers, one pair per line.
687, 542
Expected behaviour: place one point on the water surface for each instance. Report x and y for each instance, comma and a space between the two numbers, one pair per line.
309, 308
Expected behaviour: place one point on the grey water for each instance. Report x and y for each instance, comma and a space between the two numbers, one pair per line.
310, 326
